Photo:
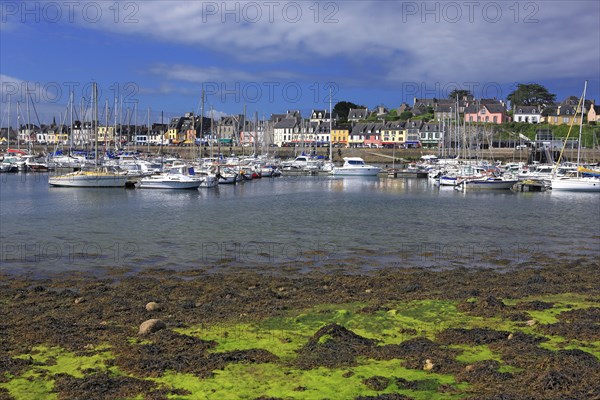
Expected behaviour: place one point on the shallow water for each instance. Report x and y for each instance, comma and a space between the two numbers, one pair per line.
305, 222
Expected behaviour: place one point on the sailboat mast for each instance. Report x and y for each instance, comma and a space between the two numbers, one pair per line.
148, 133
18, 125
581, 124
330, 127
202, 120
105, 124
8, 124
28, 115
94, 124
71, 122
115, 125
211, 131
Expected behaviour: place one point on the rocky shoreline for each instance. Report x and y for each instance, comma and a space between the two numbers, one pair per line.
528, 333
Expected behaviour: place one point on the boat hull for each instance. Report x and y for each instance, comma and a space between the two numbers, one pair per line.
172, 184
489, 185
78, 179
368, 171
576, 184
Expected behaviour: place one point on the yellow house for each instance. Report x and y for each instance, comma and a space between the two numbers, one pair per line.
54, 138
565, 115
171, 135
339, 136
106, 134
393, 134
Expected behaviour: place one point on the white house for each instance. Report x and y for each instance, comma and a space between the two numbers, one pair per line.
528, 114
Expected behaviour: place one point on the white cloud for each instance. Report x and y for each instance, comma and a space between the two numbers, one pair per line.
535, 40
375, 42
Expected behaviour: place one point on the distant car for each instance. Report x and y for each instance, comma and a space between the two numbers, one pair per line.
521, 147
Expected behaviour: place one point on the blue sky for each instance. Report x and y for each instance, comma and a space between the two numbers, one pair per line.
272, 56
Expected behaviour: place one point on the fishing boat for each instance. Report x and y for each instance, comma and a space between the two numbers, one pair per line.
355, 166
178, 177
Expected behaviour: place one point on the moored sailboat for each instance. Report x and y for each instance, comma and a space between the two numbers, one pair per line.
576, 182
97, 176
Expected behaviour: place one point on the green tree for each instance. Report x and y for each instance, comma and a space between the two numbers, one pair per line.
405, 115
460, 93
342, 109
531, 94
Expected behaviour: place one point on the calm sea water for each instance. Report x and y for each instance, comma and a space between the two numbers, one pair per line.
306, 222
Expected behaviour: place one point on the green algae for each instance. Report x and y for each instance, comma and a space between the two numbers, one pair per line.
284, 335
473, 354
37, 382
271, 380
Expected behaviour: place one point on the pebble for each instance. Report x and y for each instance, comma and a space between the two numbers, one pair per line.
153, 306
428, 365
368, 290
511, 336
531, 322
79, 300
151, 326
469, 368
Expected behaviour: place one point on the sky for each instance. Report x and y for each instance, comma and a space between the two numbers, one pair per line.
155, 58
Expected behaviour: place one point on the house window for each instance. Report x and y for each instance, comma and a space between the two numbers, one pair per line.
495, 118
487, 119
566, 120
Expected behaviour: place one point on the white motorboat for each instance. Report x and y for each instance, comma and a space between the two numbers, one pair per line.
355, 166
179, 177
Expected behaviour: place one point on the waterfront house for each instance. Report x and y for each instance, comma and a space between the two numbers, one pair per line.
172, 135
319, 133
156, 135
288, 127
527, 114
373, 135
356, 138
106, 134
339, 135
28, 133
229, 128
431, 135
393, 134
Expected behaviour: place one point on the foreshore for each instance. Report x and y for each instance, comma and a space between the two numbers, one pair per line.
278, 333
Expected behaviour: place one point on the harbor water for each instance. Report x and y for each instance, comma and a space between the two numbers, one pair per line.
304, 223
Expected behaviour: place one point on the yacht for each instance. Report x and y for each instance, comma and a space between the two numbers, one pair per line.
178, 177
95, 177
355, 166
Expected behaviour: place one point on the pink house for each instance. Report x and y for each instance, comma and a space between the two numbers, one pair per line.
490, 113
373, 135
